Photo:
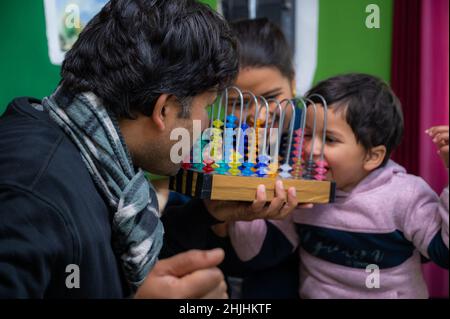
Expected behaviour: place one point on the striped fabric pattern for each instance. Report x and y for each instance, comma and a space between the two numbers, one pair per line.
136, 227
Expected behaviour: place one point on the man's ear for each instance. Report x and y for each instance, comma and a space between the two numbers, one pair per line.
159, 114
375, 156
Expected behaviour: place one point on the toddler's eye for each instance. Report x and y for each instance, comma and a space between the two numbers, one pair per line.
330, 140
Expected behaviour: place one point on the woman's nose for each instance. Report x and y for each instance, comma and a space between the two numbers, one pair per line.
262, 116
262, 113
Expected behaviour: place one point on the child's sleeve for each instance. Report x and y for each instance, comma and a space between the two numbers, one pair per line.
263, 243
426, 223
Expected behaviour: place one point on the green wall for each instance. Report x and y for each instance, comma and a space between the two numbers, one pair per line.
347, 45
25, 68
212, 3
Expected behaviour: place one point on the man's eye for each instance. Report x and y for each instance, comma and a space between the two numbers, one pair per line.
330, 140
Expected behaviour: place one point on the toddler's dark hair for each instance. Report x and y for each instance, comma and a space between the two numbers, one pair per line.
371, 108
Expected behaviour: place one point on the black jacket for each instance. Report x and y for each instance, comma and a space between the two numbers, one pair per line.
187, 226
51, 214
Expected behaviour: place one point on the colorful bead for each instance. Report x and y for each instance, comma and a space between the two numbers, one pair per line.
321, 170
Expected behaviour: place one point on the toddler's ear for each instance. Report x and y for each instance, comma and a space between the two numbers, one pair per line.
375, 156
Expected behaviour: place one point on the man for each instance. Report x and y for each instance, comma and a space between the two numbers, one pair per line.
77, 216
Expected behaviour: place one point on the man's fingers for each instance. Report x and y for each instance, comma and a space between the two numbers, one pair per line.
190, 261
200, 283
187, 275
220, 292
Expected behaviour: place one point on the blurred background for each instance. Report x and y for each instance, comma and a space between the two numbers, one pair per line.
405, 42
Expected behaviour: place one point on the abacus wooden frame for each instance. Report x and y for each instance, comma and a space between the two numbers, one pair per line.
241, 188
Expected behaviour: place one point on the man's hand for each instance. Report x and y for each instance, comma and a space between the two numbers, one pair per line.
192, 274
439, 134
280, 206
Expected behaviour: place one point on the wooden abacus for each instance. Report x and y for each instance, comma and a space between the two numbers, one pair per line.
245, 163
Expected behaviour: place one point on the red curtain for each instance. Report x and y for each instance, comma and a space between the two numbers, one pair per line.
420, 78
405, 77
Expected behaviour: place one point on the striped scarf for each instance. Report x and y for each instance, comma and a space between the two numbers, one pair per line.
137, 232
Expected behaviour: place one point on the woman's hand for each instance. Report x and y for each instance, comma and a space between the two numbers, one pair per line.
281, 206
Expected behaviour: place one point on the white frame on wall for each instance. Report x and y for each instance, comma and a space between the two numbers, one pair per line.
78, 9
306, 43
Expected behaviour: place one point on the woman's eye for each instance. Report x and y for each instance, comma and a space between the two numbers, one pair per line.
330, 140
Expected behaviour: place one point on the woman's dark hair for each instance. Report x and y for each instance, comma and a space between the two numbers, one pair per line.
133, 51
263, 44
371, 108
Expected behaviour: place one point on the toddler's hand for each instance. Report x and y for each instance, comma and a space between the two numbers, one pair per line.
439, 134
